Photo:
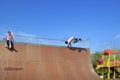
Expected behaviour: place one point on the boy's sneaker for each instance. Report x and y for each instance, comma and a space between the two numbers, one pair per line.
7, 47
10, 47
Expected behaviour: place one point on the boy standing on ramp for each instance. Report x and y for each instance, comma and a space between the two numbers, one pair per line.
9, 40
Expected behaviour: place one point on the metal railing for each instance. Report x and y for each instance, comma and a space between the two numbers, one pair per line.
46, 41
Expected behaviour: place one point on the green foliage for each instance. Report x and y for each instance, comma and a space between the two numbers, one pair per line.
118, 54
94, 57
98, 55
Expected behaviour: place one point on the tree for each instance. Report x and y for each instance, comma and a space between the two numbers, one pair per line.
118, 54
94, 57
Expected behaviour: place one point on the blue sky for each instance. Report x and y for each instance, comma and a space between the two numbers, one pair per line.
98, 20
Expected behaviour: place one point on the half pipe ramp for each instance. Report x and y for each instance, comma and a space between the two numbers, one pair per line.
41, 62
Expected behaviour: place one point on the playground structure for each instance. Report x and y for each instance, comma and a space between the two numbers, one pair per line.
45, 62
108, 62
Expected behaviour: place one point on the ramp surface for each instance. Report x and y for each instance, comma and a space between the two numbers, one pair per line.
40, 62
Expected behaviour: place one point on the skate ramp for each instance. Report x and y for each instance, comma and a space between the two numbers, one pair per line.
41, 62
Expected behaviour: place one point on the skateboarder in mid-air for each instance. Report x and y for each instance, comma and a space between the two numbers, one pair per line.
72, 40
9, 40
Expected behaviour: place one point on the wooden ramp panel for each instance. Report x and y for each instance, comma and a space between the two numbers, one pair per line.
39, 62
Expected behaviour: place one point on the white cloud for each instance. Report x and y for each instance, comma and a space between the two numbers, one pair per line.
116, 37
112, 44
105, 43
20, 33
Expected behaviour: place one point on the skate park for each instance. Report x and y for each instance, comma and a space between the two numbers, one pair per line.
45, 61
41, 49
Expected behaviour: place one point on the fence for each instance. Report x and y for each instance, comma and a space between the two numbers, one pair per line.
45, 41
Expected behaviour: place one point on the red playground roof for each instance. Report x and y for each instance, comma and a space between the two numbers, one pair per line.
106, 52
